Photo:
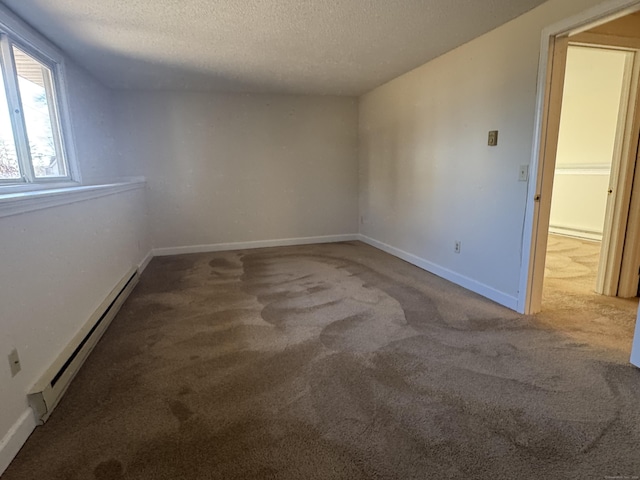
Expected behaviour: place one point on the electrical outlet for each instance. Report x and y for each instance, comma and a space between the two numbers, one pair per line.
14, 362
493, 138
457, 246
523, 174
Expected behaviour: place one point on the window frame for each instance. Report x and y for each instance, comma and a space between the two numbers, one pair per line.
14, 32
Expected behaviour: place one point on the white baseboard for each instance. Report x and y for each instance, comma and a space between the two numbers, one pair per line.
283, 242
572, 232
145, 261
465, 282
15, 438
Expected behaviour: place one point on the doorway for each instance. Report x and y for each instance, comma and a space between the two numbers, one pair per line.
613, 25
595, 97
618, 234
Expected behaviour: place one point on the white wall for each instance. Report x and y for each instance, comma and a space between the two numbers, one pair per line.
635, 347
225, 168
59, 263
590, 108
91, 110
427, 176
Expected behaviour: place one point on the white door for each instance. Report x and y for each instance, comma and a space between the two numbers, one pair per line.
620, 187
635, 348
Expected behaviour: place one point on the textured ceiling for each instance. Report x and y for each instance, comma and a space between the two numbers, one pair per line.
341, 47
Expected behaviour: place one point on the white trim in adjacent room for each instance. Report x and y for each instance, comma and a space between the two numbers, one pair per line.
15, 438
575, 233
596, 170
465, 282
283, 242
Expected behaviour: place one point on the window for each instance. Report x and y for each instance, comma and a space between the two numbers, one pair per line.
31, 138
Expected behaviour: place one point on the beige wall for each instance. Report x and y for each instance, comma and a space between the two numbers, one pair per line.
427, 176
590, 110
590, 106
224, 168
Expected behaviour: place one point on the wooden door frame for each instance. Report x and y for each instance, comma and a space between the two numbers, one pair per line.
554, 43
628, 286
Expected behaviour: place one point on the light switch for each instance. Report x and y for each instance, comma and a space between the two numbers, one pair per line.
493, 138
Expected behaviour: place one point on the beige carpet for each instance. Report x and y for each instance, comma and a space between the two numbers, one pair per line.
569, 300
335, 362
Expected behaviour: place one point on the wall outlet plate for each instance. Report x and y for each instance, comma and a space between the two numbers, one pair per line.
457, 246
14, 362
523, 173
493, 138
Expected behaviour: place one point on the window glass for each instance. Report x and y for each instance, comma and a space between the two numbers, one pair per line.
37, 94
9, 167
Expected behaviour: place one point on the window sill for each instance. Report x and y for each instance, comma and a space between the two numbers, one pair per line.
23, 202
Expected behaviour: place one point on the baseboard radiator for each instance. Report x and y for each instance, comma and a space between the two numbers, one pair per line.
47, 392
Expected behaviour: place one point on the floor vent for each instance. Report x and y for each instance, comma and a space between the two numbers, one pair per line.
48, 391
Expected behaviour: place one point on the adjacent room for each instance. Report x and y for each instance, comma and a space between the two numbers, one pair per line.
595, 97
296, 239
591, 219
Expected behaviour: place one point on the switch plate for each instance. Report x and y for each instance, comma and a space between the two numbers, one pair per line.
14, 362
457, 246
493, 138
523, 174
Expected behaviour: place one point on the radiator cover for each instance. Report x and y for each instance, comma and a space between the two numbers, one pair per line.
47, 392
